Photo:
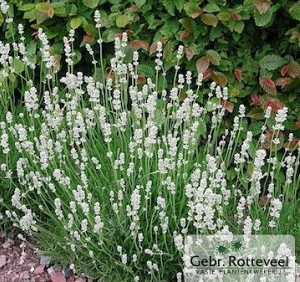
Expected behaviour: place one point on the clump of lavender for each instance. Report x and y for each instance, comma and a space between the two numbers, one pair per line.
111, 175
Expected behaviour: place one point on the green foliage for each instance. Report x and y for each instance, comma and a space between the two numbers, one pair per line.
271, 62
246, 45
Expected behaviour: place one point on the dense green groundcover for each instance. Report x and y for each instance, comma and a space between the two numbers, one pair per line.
252, 46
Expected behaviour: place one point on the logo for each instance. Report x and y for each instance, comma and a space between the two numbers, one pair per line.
239, 258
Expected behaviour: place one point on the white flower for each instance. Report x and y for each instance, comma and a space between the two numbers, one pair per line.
180, 52
280, 117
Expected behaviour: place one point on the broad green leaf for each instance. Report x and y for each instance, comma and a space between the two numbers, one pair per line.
255, 127
75, 23
263, 19
43, 7
140, 2
91, 3
290, 125
168, 51
146, 70
192, 9
91, 30
77, 57
239, 26
123, 20
60, 11
215, 56
211, 8
295, 11
215, 33
209, 19
26, 7
188, 24
211, 105
59, 4
18, 65
256, 113
73, 10
170, 6
271, 62
41, 17
170, 28
179, 4
223, 16
109, 34
234, 92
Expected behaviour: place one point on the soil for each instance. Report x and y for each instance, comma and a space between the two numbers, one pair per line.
20, 263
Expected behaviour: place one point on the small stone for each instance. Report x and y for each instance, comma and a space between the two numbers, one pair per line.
39, 270
31, 269
45, 260
71, 279
12, 242
57, 277
80, 279
6, 245
25, 275
67, 271
2, 260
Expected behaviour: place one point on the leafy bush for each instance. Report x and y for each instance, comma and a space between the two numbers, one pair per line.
245, 45
112, 172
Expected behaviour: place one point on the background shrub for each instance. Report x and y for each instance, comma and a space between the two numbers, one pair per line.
53, 147
251, 46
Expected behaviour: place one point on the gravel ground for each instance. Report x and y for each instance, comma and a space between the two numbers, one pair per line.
20, 263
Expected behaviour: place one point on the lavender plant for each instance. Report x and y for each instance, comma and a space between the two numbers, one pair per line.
111, 175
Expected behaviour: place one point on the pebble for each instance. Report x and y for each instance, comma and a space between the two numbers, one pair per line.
57, 277
25, 275
6, 245
71, 279
2, 260
45, 260
39, 270
67, 271
80, 279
